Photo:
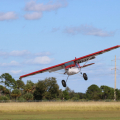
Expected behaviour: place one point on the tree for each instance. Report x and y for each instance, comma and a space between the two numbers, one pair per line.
28, 96
47, 89
107, 92
29, 87
4, 91
117, 94
30, 83
68, 89
1, 89
60, 94
66, 95
52, 88
20, 84
39, 91
7, 80
93, 92
70, 92
75, 97
82, 95
16, 93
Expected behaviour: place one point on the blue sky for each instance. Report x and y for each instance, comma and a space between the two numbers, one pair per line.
36, 34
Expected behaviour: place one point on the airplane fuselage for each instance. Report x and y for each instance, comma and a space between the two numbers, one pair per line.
72, 70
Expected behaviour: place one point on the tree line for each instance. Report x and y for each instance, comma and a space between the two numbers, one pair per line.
48, 89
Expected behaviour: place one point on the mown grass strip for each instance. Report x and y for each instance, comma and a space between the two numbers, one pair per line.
62, 115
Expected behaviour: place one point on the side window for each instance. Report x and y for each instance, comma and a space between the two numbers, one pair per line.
69, 63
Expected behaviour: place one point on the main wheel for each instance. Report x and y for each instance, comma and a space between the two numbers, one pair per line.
63, 83
85, 76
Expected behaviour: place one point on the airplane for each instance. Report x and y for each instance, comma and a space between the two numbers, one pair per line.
73, 66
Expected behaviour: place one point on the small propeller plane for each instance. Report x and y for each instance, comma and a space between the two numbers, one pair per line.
73, 66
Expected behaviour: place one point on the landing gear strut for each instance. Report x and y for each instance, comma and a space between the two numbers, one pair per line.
85, 76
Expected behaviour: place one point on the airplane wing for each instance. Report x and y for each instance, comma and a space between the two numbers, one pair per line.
77, 60
92, 56
49, 69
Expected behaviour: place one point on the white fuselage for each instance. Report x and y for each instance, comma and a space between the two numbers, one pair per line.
72, 71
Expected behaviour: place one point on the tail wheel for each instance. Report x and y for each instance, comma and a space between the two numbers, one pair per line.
85, 76
63, 83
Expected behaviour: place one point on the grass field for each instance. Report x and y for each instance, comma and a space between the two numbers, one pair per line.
60, 110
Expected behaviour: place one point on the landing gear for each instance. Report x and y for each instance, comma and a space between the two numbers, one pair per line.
85, 76
63, 83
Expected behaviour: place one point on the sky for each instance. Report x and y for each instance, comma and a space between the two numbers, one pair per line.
36, 34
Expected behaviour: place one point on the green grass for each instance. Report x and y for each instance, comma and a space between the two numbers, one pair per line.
63, 115
60, 111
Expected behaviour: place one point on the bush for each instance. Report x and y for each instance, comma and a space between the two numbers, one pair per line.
28, 96
75, 98
16, 93
8, 96
4, 98
21, 99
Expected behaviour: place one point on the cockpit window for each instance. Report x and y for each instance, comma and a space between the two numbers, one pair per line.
69, 63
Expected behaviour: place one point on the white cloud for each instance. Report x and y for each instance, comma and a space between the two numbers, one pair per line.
42, 54
88, 30
33, 6
7, 16
38, 8
28, 58
23, 53
12, 63
15, 53
33, 16
36, 60
16, 71
40, 60
3, 53
19, 53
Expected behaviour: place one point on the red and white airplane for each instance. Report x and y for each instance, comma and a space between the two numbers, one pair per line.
72, 67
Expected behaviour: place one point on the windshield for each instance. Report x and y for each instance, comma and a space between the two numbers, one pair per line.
69, 63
